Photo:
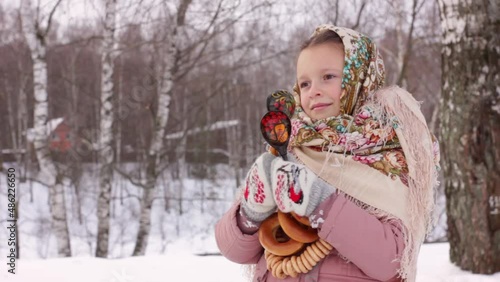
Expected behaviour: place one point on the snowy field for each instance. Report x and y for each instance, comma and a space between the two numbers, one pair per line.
434, 266
176, 240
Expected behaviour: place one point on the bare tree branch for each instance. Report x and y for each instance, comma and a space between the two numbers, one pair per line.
336, 12
130, 178
409, 41
212, 35
360, 12
49, 21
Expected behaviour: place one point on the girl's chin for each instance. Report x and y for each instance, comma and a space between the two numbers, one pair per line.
323, 116
324, 112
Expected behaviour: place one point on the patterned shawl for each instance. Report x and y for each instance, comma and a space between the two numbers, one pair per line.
369, 151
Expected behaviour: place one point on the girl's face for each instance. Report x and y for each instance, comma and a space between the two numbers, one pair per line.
319, 77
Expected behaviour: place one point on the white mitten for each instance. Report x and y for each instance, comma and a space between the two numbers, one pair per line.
258, 202
296, 188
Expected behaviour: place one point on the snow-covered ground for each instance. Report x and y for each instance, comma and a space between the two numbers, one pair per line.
180, 261
175, 242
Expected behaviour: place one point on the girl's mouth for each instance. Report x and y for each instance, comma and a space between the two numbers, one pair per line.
319, 106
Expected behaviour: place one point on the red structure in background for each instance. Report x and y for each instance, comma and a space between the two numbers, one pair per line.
60, 138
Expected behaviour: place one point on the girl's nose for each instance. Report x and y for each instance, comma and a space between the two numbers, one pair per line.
315, 91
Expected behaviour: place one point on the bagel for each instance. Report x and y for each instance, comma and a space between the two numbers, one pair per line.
296, 230
281, 267
275, 240
302, 219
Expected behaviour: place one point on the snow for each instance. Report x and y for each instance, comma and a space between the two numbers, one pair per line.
433, 266
215, 126
176, 244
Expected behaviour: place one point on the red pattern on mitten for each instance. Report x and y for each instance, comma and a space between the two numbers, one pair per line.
291, 185
258, 202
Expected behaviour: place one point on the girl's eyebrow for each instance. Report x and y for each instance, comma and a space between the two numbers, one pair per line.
321, 70
330, 69
301, 77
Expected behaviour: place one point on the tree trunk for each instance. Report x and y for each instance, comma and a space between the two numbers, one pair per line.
161, 118
11, 118
233, 138
470, 132
181, 156
48, 174
22, 126
106, 153
146, 205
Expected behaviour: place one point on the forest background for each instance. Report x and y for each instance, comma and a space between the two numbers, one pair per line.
127, 122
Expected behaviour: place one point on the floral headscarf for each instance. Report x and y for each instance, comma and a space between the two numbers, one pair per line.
364, 70
360, 129
380, 135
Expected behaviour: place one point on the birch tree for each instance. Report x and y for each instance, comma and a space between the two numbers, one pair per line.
404, 33
161, 118
470, 131
405, 45
106, 153
35, 28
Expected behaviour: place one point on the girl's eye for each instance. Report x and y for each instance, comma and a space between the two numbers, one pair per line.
328, 76
303, 84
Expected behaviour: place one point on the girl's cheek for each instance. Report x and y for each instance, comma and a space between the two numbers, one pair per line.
303, 100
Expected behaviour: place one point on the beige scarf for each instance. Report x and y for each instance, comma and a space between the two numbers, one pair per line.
389, 197
389, 169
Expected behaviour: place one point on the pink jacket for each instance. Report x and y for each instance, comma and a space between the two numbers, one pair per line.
369, 248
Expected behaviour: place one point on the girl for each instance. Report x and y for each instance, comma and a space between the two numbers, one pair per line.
352, 171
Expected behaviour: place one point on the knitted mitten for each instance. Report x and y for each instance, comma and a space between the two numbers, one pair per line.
296, 188
258, 202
